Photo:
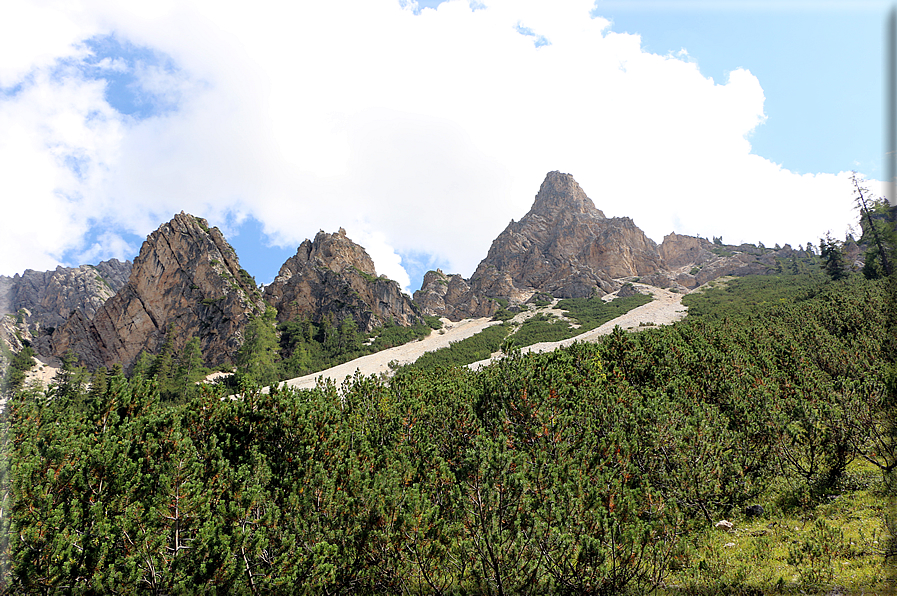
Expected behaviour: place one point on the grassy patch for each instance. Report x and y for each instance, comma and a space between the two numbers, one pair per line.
792, 550
594, 312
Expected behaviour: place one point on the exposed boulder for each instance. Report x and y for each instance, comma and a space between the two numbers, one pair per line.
627, 290
678, 250
332, 278
187, 278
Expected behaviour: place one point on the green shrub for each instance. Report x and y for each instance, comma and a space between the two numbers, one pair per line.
594, 312
466, 351
543, 328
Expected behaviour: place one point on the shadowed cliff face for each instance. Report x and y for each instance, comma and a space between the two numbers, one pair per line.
186, 278
44, 300
333, 278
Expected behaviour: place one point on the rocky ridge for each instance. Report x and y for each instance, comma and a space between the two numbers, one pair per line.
186, 281
564, 246
332, 278
44, 300
567, 248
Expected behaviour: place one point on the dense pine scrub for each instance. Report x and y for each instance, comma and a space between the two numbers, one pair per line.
599, 468
466, 351
730, 296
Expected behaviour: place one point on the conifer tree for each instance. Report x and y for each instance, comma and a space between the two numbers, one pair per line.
257, 358
832, 257
190, 367
142, 366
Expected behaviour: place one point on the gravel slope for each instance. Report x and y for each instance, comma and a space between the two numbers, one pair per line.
666, 308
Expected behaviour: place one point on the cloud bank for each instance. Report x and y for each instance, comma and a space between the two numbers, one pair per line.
420, 131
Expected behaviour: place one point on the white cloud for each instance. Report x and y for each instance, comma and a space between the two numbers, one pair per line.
59, 140
422, 133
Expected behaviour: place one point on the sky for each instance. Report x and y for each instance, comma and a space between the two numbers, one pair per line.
423, 128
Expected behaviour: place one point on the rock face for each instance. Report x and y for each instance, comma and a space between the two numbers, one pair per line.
332, 278
450, 296
568, 248
51, 297
186, 278
564, 246
679, 251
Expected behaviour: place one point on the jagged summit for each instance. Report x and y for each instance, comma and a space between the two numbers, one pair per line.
187, 281
565, 246
561, 194
187, 278
333, 278
333, 251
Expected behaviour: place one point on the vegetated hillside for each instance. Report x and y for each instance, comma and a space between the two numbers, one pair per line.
596, 468
580, 315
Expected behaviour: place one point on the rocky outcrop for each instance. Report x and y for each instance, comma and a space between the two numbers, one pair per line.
564, 246
332, 278
186, 281
46, 299
450, 296
678, 250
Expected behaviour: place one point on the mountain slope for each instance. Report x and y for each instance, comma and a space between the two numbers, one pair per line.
333, 278
186, 281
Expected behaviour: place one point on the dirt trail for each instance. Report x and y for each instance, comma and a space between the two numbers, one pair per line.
666, 308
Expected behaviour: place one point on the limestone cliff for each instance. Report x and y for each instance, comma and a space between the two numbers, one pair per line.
186, 278
44, 300
450, 296
564, 246
332, 278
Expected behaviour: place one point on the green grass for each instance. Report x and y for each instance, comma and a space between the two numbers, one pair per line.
594, 312
790, 549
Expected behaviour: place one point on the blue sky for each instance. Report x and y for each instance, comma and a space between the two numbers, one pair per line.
423, 128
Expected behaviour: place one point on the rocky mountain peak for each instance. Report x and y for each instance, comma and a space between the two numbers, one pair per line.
336, 252
333, 278
561, 194
44, 300
564, 246
186, 279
